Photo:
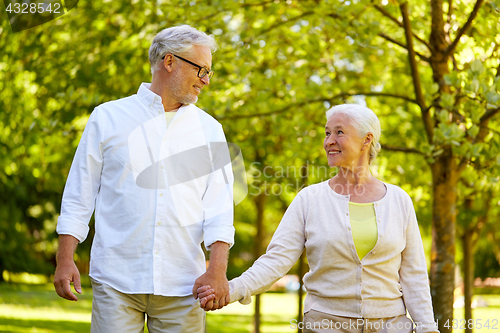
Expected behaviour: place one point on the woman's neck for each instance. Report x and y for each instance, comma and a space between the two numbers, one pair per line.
360, 175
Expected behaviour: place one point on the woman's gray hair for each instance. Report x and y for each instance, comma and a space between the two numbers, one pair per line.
364, 120
177, 40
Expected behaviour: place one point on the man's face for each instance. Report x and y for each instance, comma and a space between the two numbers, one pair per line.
186, 85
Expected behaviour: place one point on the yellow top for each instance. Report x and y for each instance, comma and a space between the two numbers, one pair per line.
170, 116
364, 227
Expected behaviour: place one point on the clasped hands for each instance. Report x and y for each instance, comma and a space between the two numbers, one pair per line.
212, 290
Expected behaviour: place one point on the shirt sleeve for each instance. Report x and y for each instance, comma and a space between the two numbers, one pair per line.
283, 251
218, 198
83, 183
414, 278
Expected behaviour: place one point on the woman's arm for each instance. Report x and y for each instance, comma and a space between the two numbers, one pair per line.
283, 251
414, 278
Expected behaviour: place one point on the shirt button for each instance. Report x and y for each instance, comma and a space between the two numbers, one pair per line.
157, 252
159, 223
161, 194
346, 214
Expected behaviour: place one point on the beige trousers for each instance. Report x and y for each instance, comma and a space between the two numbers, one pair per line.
319, 322
113, 311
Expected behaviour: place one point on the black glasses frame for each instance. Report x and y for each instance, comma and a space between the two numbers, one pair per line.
202, 71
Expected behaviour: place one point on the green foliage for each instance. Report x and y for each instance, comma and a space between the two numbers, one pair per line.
279, 66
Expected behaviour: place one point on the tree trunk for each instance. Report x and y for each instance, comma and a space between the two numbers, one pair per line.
468, 276
257, 314
443, 240
304, 173
260, 201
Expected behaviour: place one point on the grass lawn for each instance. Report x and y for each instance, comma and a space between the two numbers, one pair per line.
37, 308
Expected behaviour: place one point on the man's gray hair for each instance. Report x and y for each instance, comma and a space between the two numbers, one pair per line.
364, 120
177, 40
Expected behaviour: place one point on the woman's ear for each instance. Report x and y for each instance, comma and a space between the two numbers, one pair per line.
368, 140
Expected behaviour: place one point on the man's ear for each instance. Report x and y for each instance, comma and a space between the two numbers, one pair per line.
168, 61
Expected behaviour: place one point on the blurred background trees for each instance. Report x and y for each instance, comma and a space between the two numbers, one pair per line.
429, 69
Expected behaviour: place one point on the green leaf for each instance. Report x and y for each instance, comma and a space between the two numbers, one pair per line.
474, 85
476, 149
476, 66
447, 101
493, 97
473, 131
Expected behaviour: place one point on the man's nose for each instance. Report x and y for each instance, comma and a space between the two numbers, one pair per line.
205, 80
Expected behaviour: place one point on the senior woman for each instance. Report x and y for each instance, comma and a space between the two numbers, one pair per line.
365, 253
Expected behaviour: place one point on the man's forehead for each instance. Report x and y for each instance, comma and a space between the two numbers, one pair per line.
202, 55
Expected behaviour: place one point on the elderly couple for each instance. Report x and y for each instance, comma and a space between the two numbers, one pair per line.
155, 204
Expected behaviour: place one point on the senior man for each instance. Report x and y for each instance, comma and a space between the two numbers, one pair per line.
150, 166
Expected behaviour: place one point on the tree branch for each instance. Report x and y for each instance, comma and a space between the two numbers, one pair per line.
381, 34
395, 20
464, 28
276, 25
402, 149
462, 165
484, 129
429, 128
256, 4
488, 115
331, 100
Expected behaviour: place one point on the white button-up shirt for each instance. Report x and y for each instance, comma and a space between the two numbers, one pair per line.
158, 192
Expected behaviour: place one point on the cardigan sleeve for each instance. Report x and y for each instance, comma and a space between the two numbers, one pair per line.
414, 278
285, 248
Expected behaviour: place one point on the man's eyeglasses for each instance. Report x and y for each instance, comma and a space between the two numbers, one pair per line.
202, 71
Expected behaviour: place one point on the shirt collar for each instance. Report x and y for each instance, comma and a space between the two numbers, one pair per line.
153, 101
149, 98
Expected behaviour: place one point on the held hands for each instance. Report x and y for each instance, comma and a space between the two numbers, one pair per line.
207, 296
213, 283
213, 290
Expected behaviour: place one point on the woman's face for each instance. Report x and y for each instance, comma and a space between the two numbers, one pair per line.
343, 146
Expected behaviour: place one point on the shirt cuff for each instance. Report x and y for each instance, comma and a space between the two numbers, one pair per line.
73, 228
219, 234
238, 292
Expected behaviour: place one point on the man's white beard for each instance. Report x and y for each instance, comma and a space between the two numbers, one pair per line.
181, 96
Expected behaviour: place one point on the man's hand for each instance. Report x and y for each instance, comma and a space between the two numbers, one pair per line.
219, 289
206, 294
215, 277
65, 274
66, 270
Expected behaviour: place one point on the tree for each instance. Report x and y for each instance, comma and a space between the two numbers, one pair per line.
428, 69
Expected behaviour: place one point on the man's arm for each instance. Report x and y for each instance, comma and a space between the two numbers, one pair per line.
66, 270
215, 276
